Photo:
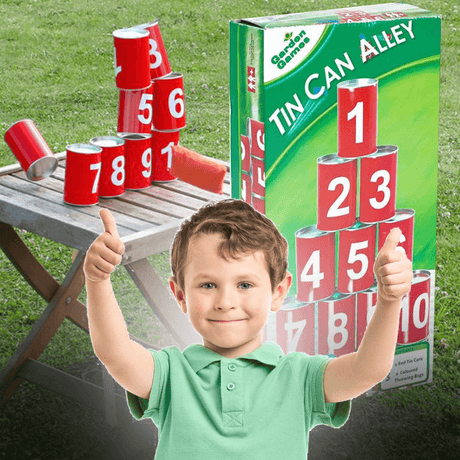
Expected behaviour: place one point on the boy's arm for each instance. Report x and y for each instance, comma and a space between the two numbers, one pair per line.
350, 375
130, 364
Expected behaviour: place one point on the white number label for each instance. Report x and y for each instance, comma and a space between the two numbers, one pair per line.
117, 68
292, 341
335, 210
147, 162
176, 103
261, 140
353, 257
146, 104
261, 177
383, 187
243, 151
96, 167
118, 167
316, 275
154, 52
358, 113
168, 150
335, 329
421, 323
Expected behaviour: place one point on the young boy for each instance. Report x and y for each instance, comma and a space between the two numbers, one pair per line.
235, 397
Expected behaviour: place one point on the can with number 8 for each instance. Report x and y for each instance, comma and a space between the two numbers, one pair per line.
315, 264
336, 192
377, 185
138, 160
169, 103
159, 63
112, 181
82, 174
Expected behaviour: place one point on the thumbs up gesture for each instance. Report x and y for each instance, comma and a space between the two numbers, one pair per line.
393, 269
105, 253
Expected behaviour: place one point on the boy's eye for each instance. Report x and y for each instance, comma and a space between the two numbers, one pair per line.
207, 285
246, 285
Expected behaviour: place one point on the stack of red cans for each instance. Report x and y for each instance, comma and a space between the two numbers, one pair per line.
336, 287
253, 165
151, 108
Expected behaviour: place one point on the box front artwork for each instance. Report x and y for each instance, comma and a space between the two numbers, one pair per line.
334, 126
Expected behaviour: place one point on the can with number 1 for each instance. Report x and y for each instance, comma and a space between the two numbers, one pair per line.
82, 174
162, 143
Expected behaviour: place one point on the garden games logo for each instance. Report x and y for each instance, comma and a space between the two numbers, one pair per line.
292, 46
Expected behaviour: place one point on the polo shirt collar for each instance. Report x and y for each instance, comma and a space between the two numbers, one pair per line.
199, 356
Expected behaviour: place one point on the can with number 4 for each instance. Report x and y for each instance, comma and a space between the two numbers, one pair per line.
82, 174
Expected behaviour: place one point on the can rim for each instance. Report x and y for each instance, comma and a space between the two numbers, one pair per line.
53, 164
166, 130
170, 75
16, 122
383, 150
337, 296
292, 303
358, 225
148, 24
400, 215
426, 275
328, 159
74, 148
120, 33
358, 83
311, 231
135, 136
118, 140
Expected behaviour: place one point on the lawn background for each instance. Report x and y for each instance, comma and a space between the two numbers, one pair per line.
57, 68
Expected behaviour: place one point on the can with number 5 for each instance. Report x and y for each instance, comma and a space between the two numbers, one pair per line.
135, 110
82, 174
169, 103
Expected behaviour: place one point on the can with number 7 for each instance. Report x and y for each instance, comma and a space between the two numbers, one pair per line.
82, 174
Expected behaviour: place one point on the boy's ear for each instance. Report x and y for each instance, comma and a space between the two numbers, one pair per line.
178, 294
280, 292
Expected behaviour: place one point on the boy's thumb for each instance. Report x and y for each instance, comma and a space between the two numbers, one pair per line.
109, 223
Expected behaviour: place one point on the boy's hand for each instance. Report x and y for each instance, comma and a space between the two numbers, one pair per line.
105, 253
393, 269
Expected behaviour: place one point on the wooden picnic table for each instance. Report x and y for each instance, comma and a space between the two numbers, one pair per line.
146, 221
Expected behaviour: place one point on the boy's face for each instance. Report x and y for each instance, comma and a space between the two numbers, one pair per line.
228, 301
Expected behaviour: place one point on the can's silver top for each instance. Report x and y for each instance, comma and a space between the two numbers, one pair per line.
418, 276
83, 148
147, 24
135, 136
291, 303
383, 150
401, 214
336, 297
333, 158
107, 141
358, 226
357, 83
42, 168
310, 232
131, 33
170, 76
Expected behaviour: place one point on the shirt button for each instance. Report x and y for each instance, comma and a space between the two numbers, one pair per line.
230, 386
232, 367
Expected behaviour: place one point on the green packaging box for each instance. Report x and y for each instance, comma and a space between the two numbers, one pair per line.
285, 72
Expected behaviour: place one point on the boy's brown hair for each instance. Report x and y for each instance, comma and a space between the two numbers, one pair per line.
244, 231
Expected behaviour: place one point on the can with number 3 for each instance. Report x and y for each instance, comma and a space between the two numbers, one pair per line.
82, 173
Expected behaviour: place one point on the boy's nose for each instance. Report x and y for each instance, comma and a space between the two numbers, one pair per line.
224, 301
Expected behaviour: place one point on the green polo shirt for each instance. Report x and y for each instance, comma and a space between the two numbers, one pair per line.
261, 405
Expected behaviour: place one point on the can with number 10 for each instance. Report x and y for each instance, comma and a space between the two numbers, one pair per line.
82, 174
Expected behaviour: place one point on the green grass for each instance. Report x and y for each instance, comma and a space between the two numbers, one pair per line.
57, 69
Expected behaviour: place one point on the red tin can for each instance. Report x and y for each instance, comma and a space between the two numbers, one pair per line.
315, 264
256, 132
377, 190
414, 319
169, 102
404, 219
132, 61
336, 325
357, 117
112, 180
366, 302
337, 178
245, 154
258, 202
159, 63
138, 160
82, 174
258, 175
162, 143
295, 326
31, 150
135, 110
356, 258
246, 188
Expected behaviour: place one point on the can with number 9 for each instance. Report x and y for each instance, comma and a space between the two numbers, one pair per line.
82, 174
112, 181
169, 102
138, 160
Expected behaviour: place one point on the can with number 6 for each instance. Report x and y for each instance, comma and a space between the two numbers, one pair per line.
82, 174
112, 181
138, 160
169, 103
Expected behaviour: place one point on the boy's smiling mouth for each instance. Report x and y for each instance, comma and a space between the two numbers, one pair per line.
225, 321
